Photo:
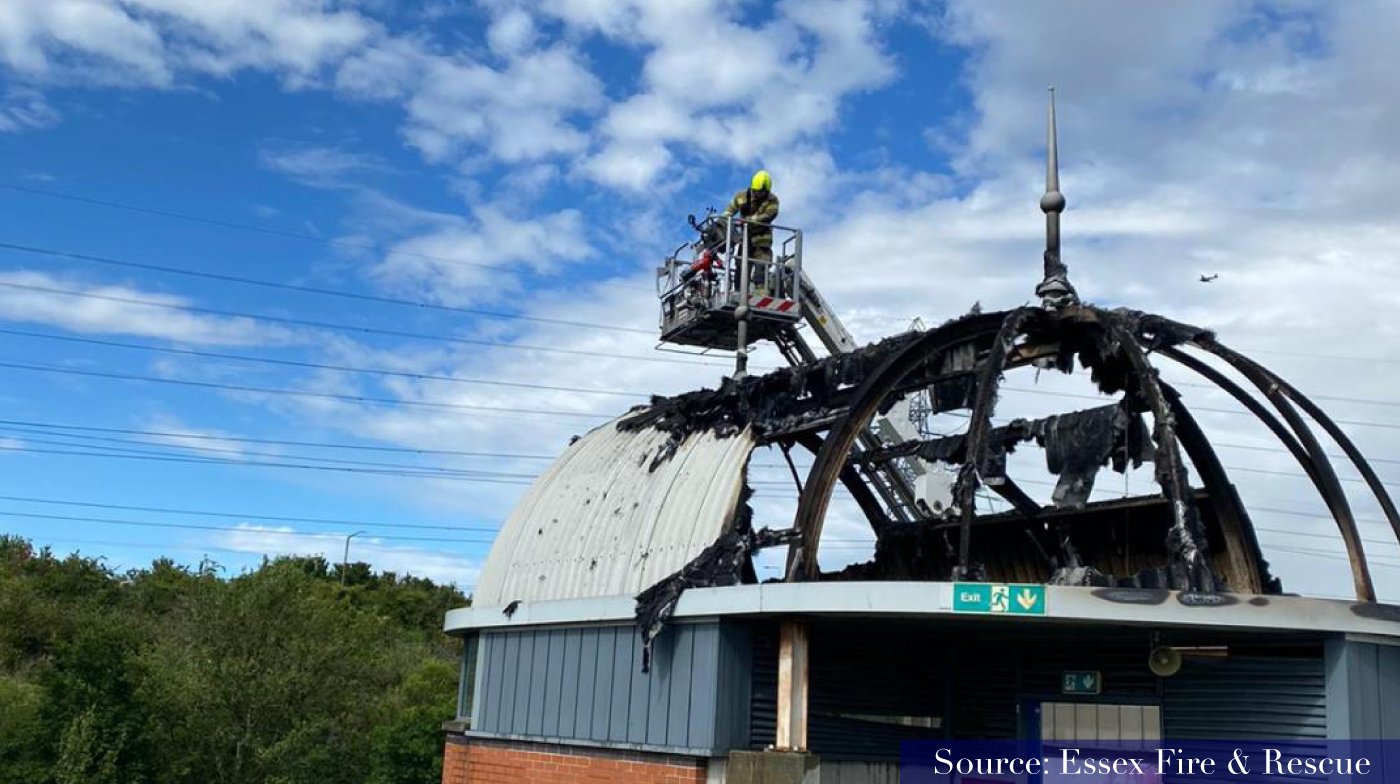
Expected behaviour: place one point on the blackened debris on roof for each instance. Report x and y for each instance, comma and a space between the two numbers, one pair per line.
726, 562
1076, 445
780, 400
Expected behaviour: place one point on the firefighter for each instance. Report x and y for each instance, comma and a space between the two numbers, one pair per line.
760, 205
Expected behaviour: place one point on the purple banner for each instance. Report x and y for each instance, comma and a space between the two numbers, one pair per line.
1148, 762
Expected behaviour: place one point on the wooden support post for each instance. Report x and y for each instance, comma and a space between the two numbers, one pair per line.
793, 665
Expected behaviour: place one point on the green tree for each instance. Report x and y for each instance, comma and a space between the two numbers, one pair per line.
407, 748
175, 675
91, 706
91, 754
21, 733
268, 677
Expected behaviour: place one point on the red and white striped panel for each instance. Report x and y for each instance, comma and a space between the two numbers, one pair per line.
776, 304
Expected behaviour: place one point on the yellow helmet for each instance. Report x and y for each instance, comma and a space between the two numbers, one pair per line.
761, 181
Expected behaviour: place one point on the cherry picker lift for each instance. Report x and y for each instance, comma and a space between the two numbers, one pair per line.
717, 295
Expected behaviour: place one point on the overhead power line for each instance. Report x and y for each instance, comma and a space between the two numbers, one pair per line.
295, 392
494, 344
1331, 556
227, 528
396, 469
452, 452
1306, 355
279, 442
243, 515
1270, 472
1314, 396
369, 524
1333, 537
378, 248
112, 455
327, 325
446, 470
1314, 515
1281, 450
228, 224
395, 401
325, 292
319, 365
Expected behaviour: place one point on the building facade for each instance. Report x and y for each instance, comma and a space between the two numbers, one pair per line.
555, 692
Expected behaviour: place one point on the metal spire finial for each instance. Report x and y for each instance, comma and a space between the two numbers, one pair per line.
1055, 290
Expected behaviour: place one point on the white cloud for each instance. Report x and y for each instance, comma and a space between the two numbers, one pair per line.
715, 86
318, 165
512, 32
519, 113
113, 317
149, 42
54, 39
195, 439
294, 37
386, 69
381, 554
25, 109
709, 84
457, 260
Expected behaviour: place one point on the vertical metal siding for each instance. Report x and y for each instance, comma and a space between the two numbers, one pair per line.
1363, 690
466, 686
586, 684
735, 693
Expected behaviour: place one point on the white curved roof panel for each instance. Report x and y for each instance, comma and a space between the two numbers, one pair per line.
599, 523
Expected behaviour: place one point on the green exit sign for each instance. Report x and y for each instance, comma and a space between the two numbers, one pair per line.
1081, 682
999, 598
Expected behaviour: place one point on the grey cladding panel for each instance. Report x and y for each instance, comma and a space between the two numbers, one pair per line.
623, 682
658, 700
540, 676
511, 688
569, 685
521, 709
677, 693
1389, 690
605, 693
636, 724
1363, 690
554, 683
594, 689
733, 646
586, 683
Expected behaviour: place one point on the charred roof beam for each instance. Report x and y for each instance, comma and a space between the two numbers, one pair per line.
1328, 483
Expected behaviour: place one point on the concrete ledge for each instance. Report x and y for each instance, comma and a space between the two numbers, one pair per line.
772, 767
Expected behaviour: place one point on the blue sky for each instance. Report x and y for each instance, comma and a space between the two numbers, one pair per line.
535, 159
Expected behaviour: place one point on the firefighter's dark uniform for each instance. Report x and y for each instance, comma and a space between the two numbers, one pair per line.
761, 207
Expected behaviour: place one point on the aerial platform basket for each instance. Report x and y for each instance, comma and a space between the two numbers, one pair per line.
701, 295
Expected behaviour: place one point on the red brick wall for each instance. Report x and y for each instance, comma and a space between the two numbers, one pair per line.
480, 761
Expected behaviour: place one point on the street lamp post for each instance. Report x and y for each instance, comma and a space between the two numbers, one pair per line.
345, 561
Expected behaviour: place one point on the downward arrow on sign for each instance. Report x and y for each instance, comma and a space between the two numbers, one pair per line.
1027, 599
